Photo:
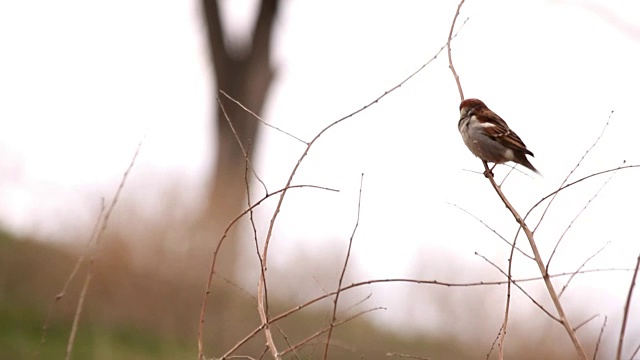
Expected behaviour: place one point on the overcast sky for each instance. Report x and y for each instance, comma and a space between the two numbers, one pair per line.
82, 82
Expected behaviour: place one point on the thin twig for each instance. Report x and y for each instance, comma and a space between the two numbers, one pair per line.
627, 305
264, 352
98, 241
572, 171
581, 266
263, 309
521, 289
512, 168
71, 276
422, 282
396, 280
326, 328
577, 216
247, 357
453, 70
493, 344
227, 355
635, 352
239, 288
491, 229
503, 329
540, 263
585, 322
344, 270
263, 306
251, 220
576, 182
260, 119
244, 151
203, 307
359, 302
595, 352
76, 317
507, 307
286, 340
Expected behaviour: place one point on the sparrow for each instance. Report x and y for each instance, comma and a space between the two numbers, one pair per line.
489, 137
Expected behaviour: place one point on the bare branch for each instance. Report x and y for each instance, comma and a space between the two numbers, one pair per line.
571, 172
255, 332
577, 216
326, 328
513, 168
203, 308
344, 270
422, 282
585, 322
453, 69
626, 310
359, 302
635, 352
260, 119
595, 352
398, 280
493, 344
71, 276
76, 316
540, 263
576, 182
286, 340
581, 266
492, 230
263, 308
521, 289
98, 241
248, 161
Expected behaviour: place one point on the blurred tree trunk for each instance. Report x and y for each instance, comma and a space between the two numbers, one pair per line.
243, 71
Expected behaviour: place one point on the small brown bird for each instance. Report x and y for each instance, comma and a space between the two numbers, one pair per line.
489, 137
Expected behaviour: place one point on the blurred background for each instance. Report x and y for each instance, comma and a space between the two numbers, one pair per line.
82, 83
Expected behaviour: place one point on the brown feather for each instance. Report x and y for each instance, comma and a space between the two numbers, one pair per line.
498, 130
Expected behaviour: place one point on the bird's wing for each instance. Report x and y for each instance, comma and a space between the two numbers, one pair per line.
499, 131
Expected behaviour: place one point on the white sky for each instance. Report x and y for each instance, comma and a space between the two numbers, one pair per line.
82, 82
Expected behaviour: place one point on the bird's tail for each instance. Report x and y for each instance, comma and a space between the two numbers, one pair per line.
526, 163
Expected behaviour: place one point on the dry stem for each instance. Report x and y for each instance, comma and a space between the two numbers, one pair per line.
71, 276
453, 69
543, 271
626, 310
572, 171
344, 270
98, 240
595, 352
262, 281
566, 230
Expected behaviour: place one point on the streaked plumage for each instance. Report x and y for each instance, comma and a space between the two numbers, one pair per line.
489, 137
